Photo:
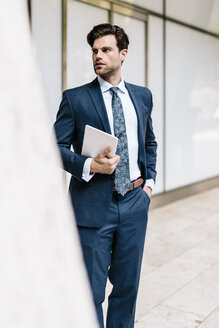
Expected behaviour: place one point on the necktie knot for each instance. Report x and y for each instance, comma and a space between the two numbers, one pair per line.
114, 90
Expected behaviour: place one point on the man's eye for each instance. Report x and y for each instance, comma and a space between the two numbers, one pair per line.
105, 50
94, 51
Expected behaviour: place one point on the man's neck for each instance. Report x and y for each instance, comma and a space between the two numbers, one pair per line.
114, 80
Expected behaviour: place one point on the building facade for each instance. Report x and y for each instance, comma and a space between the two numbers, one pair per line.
174, 50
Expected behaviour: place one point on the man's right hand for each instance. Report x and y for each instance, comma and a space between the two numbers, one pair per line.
103, 164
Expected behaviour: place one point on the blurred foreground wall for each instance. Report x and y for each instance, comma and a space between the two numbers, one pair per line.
43, 282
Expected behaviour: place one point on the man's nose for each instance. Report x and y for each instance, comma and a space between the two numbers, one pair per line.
99, 53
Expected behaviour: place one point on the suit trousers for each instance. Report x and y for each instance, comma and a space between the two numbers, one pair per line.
115, 251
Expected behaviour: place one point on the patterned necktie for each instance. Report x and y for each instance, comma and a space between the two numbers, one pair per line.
122, 175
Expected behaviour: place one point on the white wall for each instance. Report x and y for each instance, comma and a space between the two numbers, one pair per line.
192, 106
46, 30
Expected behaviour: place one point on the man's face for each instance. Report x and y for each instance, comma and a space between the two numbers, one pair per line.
107, 59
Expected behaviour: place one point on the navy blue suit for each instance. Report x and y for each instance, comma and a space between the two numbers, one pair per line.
96, 205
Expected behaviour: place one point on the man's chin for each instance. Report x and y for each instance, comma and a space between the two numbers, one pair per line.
101, 73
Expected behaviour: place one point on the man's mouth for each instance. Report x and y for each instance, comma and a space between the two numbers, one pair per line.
99, 65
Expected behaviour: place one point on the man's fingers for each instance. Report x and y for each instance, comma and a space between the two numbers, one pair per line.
102, 164
105, 152
108, 150
113, 160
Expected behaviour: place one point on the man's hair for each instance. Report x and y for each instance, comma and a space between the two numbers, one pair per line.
105, 29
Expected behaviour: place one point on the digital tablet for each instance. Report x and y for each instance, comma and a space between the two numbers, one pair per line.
96, 141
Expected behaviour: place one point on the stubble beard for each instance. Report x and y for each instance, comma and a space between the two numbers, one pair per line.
105, 73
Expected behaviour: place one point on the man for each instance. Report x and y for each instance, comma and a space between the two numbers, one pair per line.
110, 196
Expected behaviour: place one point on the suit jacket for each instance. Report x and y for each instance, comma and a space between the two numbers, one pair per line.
85, 105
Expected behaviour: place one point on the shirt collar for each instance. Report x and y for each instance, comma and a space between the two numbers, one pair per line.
105, 86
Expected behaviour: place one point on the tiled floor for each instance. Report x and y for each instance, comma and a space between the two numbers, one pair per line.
180, 275
179, 285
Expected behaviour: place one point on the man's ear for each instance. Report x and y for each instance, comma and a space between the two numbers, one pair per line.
123, 54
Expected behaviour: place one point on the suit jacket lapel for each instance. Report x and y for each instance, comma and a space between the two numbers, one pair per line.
135, 99
97, 99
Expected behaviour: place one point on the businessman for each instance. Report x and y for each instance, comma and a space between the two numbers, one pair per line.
110, 196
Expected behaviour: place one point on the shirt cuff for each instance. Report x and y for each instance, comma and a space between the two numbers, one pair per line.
149, 183
86, 176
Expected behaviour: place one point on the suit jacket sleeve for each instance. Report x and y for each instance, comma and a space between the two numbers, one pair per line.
64, 129
151, 147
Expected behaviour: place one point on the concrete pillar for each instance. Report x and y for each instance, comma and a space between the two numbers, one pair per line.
43, 282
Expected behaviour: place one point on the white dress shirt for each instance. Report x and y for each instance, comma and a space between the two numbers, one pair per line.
131, 129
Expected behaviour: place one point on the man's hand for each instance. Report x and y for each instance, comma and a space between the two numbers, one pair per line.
104, 165
148, 191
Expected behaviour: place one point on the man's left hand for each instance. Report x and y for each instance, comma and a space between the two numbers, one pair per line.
148, 190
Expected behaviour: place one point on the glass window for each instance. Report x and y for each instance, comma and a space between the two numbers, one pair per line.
46, 31
80, 20
154, 5
134, 70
